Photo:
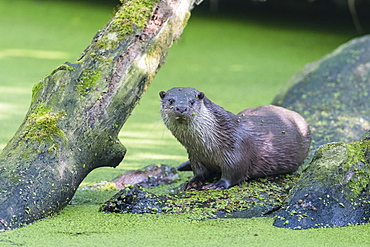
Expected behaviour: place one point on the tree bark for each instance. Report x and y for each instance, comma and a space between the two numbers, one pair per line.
77, 111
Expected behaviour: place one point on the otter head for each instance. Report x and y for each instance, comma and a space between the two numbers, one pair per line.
180, 104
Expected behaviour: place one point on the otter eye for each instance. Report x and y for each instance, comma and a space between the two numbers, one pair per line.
171, 101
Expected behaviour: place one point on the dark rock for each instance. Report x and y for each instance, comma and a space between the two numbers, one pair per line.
149, 176
332, 94
133, 200
333, 190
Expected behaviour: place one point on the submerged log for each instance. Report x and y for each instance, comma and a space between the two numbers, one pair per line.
77, 111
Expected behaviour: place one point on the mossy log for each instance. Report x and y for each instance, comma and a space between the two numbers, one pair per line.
78, 110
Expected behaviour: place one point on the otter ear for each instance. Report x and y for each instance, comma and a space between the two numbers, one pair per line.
162, 94
200, 95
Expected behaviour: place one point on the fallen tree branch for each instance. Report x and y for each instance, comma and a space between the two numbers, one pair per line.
78, 110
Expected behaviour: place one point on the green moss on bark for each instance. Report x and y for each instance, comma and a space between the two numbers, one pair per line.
87, 81
37, 89
132, 17
63, 67
42, 125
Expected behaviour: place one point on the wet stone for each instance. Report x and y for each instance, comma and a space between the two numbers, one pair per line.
332, 94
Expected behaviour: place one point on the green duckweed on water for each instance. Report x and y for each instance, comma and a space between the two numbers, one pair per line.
238, 60
79, 225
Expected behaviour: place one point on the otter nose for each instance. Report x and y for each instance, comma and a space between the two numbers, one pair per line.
181, 109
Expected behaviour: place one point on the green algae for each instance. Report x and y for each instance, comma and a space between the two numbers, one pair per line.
65, 67
131, 18
262, 194
352, 157
87, 81
81, 224
359, 164
42, 125
37, 89
334, 186
103, 186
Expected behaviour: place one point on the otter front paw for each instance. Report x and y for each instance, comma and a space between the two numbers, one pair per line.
219, 185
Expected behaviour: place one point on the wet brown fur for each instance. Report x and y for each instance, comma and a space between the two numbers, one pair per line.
259, 141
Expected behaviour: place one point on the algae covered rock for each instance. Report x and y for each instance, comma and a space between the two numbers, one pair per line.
332, 94
333, 190
133, 200
258, 197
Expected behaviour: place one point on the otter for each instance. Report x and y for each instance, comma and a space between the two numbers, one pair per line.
257, 142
